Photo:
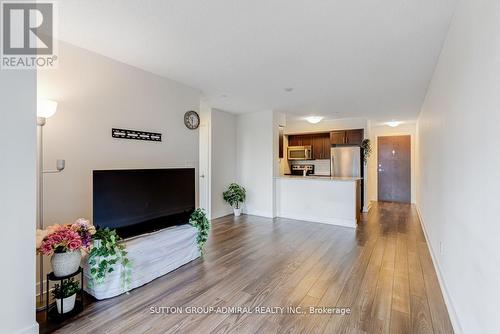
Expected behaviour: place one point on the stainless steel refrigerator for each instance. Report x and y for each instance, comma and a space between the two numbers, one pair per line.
346, 161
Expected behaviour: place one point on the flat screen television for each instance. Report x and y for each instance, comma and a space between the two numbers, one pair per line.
140, 201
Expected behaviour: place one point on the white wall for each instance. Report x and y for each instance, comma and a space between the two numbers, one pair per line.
459, 178
95, 94
18, 201
223, 165
372, 175
297, 125
255, 161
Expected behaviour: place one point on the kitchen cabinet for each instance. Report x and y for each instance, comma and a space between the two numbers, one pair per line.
317, 147
337, 137
321, 146
307, 140
319, 142
327, 146
322, 142
294, 140
350, 137
354, 137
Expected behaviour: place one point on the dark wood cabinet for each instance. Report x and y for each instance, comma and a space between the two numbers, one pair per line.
294, 140
327, 146
321, 146
354, 137
322, 142
337, 137
317, 147
307, 140
319, 142
349, 137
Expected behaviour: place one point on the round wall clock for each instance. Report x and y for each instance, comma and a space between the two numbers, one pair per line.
192, 120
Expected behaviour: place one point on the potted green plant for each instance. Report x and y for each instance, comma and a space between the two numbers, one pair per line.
106, 253
199, 220
234, 195
366, 149
67, 291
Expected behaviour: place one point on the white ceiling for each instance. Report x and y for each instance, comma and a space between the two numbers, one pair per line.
343, 58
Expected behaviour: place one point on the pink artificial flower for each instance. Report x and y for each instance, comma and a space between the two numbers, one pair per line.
61, 239
56, 238
74, 244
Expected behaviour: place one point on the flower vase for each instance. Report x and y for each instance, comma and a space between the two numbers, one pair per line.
65, 263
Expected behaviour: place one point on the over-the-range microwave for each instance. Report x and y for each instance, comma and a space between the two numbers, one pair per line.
299, 152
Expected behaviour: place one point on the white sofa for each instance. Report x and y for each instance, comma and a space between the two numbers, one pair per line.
151, 256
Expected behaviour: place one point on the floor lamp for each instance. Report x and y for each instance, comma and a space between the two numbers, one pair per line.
45, 109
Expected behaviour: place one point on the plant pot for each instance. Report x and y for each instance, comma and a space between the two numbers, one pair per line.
237, 212
66, 263
68, 304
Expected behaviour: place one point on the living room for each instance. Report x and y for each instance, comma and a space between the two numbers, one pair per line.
249, 167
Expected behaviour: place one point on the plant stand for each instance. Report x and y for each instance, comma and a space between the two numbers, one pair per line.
51, 310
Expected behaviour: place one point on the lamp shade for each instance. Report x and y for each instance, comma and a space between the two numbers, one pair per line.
46, 108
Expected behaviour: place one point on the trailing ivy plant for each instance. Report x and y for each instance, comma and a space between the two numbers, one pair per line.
106, 253
366, 148
199, 220
234, 195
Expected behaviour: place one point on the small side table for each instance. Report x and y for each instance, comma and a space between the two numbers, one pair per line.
51, 311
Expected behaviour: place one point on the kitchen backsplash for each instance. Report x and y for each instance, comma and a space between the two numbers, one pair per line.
321, 166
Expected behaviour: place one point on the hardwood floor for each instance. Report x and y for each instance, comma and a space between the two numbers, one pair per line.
382, 271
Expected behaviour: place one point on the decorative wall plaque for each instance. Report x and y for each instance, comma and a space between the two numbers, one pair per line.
135, 134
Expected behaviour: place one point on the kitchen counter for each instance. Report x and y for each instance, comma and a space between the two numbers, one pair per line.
320, 199
320, 177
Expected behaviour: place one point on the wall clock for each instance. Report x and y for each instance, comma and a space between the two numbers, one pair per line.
192, 120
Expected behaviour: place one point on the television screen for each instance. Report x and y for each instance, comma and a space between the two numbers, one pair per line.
139, 201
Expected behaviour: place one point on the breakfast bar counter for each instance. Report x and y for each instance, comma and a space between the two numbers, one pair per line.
320, 199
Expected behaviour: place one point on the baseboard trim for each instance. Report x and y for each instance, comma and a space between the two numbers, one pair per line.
221, 214
33, 329
367, 207
446, 296
258, 213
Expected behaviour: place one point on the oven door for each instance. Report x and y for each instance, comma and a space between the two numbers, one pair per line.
299, 153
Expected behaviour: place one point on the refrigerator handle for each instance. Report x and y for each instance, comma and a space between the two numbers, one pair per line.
332, 173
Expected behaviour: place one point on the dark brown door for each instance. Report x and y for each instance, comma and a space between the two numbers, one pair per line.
394, 169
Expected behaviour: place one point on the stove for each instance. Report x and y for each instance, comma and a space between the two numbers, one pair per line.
300, 169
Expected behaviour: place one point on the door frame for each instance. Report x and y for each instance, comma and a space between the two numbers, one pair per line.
412, 163
204, 160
